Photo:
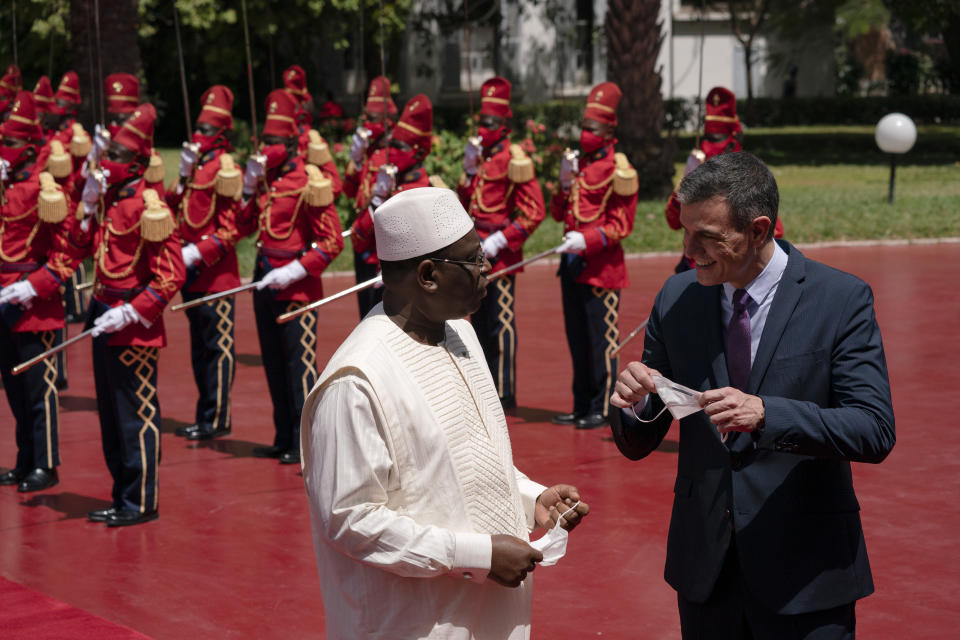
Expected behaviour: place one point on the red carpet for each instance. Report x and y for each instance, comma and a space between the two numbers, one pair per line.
30, 614
231, 554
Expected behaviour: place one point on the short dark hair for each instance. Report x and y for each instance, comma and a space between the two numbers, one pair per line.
742, 180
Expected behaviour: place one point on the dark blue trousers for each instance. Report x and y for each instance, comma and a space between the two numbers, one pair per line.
32, 396
370, 297
125, 378
590, 316
496, 327
213, 358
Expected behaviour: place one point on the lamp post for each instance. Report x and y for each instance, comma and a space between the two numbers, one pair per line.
895, 135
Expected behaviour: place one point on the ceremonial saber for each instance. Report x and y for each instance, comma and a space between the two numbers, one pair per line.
96, 22
253, 100
633, 334
514, 267
183, 72
287, 317
23, 366
215, 296
83, 286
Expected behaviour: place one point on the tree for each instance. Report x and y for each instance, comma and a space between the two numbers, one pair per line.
634, 36
746, 24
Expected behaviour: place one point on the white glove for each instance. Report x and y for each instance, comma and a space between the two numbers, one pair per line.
283, 277
101, 140
573, 242
94, 188
4, 170
569, 166
383, 187
191, 255
472, 157
188, 157
115, 319
494, 243
20, 292
256, 166
379, 283
358, 145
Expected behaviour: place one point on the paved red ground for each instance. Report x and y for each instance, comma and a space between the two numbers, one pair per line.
231, 554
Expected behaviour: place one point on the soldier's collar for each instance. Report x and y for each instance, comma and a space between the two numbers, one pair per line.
128, 190
597, 155
410, 175
22, 174
288, 167
494, 149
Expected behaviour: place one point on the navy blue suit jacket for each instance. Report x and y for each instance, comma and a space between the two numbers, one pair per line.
787, 491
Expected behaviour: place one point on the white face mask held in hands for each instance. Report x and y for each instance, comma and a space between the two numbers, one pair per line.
680, 400
553, 545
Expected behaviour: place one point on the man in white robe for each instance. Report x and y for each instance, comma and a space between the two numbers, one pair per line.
420, 520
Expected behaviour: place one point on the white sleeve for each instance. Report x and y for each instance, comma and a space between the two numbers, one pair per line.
529, 492
349, 471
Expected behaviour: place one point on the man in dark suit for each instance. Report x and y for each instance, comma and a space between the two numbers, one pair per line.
786, 357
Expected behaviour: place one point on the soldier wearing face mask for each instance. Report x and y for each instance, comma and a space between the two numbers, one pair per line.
596, 201
136, 251
500, 192
206, 199
368, 152
408, 147
292, 205
310, 143
722, 133
37, 255
10, 86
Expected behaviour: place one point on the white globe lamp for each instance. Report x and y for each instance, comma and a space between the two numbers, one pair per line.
895, 134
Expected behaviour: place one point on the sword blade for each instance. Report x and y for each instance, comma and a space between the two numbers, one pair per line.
366, 284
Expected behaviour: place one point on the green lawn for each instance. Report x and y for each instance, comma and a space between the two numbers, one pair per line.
818, 202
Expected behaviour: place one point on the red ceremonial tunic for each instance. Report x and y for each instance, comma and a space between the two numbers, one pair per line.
209, 221
44, 250
291, 229
131, 269
362, 236
602, 216
496, 203
358, 183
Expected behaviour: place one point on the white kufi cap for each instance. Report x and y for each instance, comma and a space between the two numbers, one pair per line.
419, 222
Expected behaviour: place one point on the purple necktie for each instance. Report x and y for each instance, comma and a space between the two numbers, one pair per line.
738, 342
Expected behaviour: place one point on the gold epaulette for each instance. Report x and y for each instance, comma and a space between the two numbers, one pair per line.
520, 168
229, 179
625, 181
59, 164
156, 221
317, 151
80, 143
155, 172
319, 187
437, 181
51, 203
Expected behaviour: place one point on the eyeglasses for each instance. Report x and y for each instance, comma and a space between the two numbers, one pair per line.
478, 262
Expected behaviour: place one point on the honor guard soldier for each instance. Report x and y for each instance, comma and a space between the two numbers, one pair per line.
596, 200
206, 197
292, 204
36, 258
409, 146
138, 270
309, 141
10, 86
368, 152
722, 133
501, 193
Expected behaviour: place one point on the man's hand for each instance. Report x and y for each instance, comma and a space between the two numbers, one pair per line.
358, 145
191, 255
553, 502
494, 243
511, 560
569, 165
101, 140
472, 157
188, 158
94, 186
384, 185
20, 292
4, 170
256, 167
283, 277
115, 319
633, 385
732, 410
573, 242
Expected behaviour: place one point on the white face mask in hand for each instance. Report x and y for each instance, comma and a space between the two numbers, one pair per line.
553, 545
680, 400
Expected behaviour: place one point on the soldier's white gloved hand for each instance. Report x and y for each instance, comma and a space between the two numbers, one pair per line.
4, 170
101, 140
383, 187
188, 157
573, 242
569, 165
283, 277
472, 157
358, 145
115, 319
256, 167
93, 188
494, 244
379, 283
191, 255
20, 292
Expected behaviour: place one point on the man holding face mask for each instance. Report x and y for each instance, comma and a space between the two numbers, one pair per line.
501, 194
206, 197
783, 358
408, 146
292, 205
596, 200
